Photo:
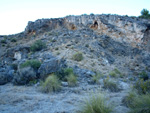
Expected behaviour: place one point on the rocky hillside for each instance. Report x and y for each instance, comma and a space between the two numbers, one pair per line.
88, 44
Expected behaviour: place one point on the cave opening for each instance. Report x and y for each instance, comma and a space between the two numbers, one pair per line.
95, 24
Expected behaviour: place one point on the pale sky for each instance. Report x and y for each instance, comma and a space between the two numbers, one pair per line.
15, 14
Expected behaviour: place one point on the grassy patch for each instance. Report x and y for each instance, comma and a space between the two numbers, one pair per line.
96, 104
51, 84
77, 56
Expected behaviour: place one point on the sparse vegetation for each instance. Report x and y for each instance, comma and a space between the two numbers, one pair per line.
35, 64
58, 53
56, 48
72, 80
87, 45
95, 78
128, 100
37, 46
143, 75
96, 104
51, 84
115, 73
141, 104
137, 103
63, 73
77, 56
3, 41
14, 66
111, 85
143, 87
68, 75
32, 82
13, 40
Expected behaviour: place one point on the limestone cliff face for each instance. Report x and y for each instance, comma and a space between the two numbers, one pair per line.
106, 42
120, 28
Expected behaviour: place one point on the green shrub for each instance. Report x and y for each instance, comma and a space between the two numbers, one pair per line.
143, 75
96, 77
14, 66
32, 82
96, 104
13, 40
128, 100
68, 75
77, 56
116, 73
63, 73
112, 86
51, 84
113, 74
72, 80
68, 71
142, 86
86, 45
141, 104
35, 64
3, 41
37, 46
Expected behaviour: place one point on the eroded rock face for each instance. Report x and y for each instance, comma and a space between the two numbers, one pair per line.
106, 42
120, 28
50, 66
3, 79
24, 76
6, 75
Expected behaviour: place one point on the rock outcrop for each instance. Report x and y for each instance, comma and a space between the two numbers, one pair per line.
106, 42
120, 28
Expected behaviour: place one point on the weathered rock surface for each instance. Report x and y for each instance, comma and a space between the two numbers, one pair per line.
6, 75
123, 29
24, 76
50, 66
3, 79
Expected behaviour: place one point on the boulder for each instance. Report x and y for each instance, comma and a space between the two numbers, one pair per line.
24, 76
50, 66
6, 75
3, 78
83, 72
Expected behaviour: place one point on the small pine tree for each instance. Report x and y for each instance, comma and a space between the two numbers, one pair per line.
145, 14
